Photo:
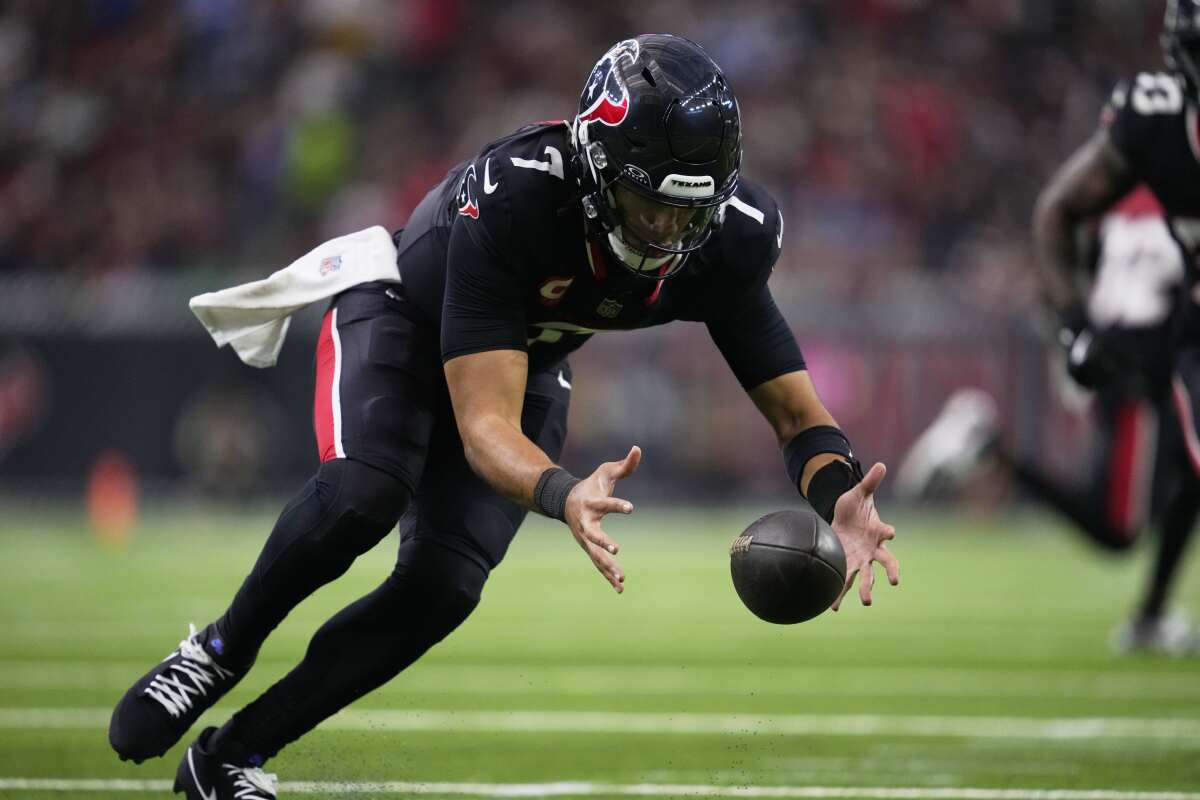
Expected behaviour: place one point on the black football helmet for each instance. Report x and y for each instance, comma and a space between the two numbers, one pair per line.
1181, 42
659, 142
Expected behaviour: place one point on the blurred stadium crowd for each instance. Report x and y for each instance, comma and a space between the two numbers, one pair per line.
897, 134
152, 149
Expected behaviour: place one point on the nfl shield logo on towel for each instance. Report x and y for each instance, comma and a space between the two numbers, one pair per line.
330, 264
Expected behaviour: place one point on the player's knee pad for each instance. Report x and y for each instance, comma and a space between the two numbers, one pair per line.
359, 505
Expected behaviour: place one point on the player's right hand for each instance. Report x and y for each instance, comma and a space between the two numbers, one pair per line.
586, 506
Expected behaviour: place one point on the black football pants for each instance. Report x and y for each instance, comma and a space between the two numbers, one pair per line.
390, 451
1130, 478
1140, 476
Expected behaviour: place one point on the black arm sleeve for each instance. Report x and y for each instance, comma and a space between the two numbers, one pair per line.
483, 307
756, 340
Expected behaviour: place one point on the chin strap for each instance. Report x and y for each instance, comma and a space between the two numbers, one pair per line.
637, 261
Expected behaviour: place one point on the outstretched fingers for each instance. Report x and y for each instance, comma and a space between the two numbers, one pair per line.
593, 500
845, 588
607, 566
864, 536
866, 582
597, 507
610, 505
872, 479
891, 564
594, 536
626, 466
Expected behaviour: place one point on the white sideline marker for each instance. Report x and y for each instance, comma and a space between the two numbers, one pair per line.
1182, 732
588, 789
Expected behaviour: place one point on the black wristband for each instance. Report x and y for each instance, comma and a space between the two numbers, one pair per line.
550, 494
829, 483
812, 442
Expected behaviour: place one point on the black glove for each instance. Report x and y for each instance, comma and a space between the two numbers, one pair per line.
1092, 360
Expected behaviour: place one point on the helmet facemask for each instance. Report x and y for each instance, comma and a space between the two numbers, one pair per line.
650, 232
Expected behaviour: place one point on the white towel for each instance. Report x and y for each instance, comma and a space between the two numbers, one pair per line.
253, 318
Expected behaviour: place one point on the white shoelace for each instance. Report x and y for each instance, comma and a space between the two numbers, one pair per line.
249, 781
192, 676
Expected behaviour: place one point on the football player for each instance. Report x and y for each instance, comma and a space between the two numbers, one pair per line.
1148, 134
1127, 480
446, 396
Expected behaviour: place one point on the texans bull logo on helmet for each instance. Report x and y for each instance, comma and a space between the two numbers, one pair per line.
468, 194
605, 97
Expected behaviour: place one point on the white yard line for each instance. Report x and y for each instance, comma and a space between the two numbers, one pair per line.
1164, 732
671, 681
588, 789
778, 724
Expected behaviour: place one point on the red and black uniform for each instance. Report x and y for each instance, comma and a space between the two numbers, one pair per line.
1145, 465
495, 257
1156, 128
1128, 480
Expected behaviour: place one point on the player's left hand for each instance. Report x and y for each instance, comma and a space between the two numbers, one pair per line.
864, 536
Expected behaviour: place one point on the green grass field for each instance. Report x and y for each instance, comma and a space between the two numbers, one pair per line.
985, 675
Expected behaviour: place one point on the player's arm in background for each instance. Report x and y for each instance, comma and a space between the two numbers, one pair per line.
757, 343
1096, 176
1086, 186
486, 366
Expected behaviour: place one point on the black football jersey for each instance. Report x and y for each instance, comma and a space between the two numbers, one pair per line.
1155, 127
497, 255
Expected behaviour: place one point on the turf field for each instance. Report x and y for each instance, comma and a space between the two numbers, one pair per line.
985, 675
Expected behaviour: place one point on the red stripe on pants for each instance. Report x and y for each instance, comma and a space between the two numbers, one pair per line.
1121, 478
323, 396
1187, 421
